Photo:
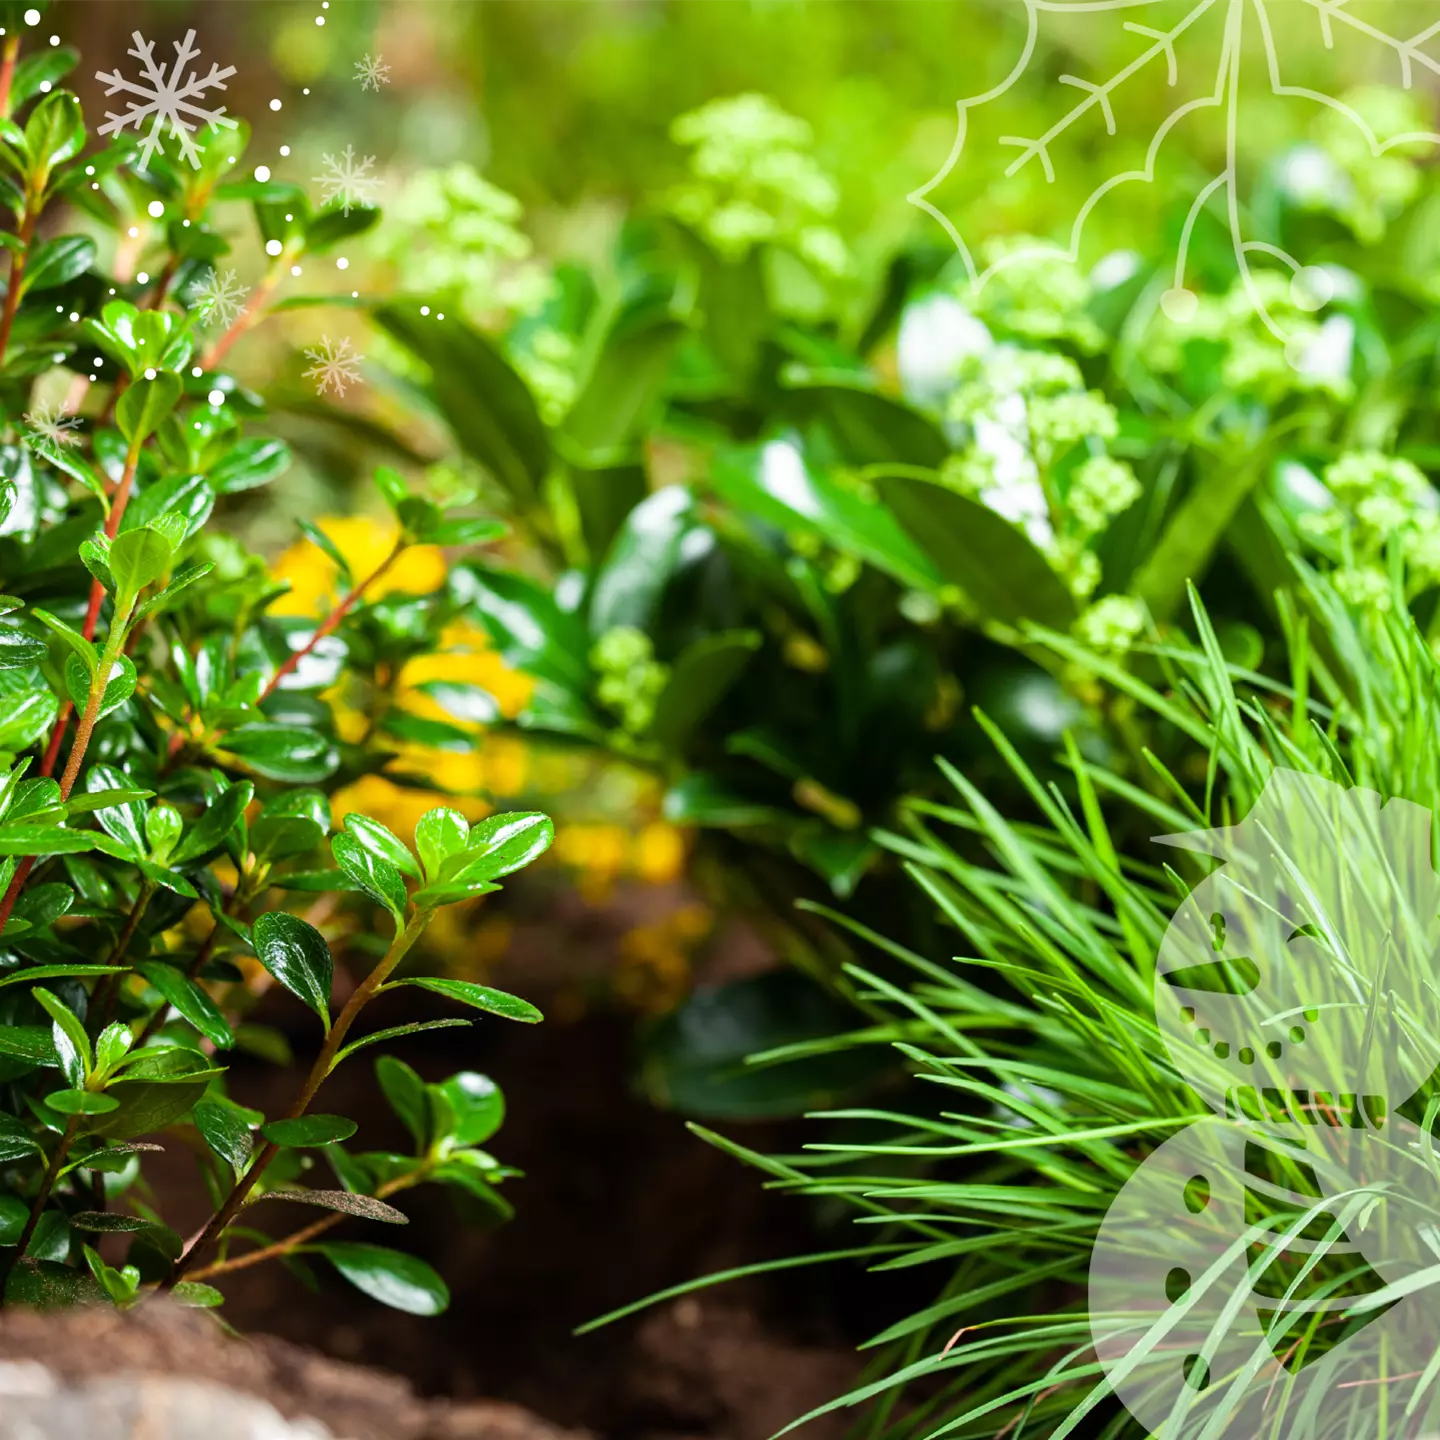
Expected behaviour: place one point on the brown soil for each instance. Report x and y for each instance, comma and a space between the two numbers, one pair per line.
618, 1201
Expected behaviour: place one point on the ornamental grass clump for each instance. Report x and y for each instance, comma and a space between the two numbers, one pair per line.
1042, 1079
169, 746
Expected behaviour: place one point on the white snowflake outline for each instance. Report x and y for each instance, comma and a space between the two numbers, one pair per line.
51, 424
346, 181
372, 73
1226, 93
219, 298
334, 366
166, 89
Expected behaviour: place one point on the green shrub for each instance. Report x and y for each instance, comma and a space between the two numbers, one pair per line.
169, 748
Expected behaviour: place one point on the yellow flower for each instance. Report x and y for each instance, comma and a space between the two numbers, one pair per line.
465, 657
659, 853
364, 542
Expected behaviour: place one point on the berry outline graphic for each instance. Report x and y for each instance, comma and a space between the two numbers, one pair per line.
1292, 989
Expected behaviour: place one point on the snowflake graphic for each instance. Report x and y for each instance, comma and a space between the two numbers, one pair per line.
348, 180
334, 366
218, 299
372, 72
51, 424
168, 98
1247, 32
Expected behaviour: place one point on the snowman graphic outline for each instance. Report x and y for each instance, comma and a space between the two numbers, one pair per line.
1268, 1270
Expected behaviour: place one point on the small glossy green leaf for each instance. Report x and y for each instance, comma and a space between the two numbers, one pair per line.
289, 753
190, 1000
226, 1132
118, 689
399, 1281
196, 1295
498, 846
58, 262
439, 834
381, 843
296, 954
140, 557
55, 972
405, 1091
477, 1104
81, 1102
309, 1131
481, 997
368, 873
71, 1042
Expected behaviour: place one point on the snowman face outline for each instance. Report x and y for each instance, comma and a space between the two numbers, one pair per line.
1294, 975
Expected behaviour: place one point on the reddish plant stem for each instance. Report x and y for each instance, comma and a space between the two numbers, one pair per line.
332, 620
17, 277
253, 312
7, 71
364, 992
92, 619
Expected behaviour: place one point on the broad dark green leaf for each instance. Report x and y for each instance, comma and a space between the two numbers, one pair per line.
45, 1285
693, 1059
528, 629
640, 561
283, 752
699, 679
991, 560
15, 1144
627, 380
18, 649
773, 483
869, 428
485, 402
